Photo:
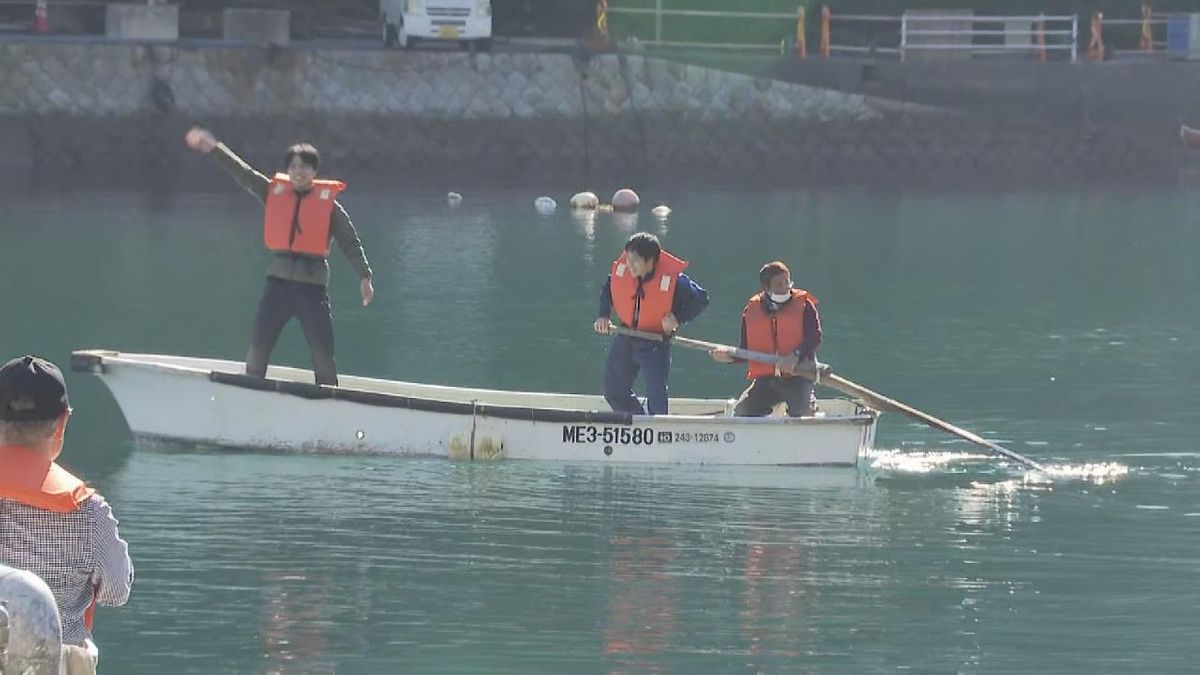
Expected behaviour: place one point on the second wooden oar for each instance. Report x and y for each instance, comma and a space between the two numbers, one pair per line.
823, 374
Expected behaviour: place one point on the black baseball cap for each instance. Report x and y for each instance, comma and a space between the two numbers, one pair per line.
31, 390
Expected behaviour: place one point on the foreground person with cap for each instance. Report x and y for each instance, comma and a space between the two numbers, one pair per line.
52, 523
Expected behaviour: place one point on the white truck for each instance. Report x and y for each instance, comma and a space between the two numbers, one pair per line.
465, 22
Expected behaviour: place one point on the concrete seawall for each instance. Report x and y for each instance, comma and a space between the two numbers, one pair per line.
87, 107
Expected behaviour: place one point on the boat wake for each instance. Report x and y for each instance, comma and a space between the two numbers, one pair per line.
918, 461
1100, 472
941, 461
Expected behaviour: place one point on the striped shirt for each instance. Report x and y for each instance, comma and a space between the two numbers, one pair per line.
79, 555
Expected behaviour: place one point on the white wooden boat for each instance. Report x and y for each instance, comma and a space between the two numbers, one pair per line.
211, 402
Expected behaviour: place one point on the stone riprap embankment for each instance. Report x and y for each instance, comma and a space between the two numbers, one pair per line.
497, 116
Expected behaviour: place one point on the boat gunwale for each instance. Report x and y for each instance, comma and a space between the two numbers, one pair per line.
93, 360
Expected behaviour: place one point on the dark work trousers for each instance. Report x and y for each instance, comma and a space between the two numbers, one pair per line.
282, 300
764, 393
628, 355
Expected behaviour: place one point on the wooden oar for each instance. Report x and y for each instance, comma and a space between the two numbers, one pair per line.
823, 374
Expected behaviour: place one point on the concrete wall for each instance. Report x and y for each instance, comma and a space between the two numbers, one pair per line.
505, 117
1138, 103
111, 79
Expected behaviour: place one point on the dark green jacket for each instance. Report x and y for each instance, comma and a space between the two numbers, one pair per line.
291, 266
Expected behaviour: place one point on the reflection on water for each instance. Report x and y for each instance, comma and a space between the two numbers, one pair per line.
773, 613
641, 615
296, 623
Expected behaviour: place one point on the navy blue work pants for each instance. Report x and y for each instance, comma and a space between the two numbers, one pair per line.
627, 356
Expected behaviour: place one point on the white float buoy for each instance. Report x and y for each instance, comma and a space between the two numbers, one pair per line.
545, 205
584, 200
661, 211
453, 198
625, 200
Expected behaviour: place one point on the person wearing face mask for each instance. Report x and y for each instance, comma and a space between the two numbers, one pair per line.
648, 291
779, 320
301, 217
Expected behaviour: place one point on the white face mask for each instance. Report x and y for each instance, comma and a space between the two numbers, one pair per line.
780, 298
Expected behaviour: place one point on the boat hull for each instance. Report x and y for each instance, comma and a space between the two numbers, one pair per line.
209, 402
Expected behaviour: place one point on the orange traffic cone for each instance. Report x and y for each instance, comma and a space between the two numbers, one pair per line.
41, 18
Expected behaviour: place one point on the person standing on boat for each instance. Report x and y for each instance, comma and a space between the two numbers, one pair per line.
648, 291
302, 215
781, 320
52, 523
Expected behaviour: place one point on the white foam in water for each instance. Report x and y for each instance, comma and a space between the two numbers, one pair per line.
1100, 472
916, 462
932, 460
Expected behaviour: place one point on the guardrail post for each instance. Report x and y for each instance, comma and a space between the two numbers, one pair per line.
1096, 44
1147, 42
602, 24
825, 17
1074, 38
658, 20
1040, 52
801, 45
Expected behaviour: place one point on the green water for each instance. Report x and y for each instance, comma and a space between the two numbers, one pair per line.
1062, 324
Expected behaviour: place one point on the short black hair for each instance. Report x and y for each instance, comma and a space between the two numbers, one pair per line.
645, 245
770, 271
307, 154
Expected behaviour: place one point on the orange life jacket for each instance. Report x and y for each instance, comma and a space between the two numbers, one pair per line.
304, 228
30, 478
658, 292
780, 332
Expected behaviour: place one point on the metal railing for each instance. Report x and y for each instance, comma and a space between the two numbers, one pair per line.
87, 17
1156, 46
1045, 34
913, 32
659, 13
866, 40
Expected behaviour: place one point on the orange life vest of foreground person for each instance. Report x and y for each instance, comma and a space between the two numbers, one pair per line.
31, 479
780, 332
299, 223
657, 292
